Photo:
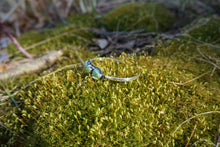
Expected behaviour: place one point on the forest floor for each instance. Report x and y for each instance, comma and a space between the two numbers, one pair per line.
47, 98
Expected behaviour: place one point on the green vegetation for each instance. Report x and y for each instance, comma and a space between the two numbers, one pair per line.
209, 31
152, 17
193, 53
59, 37
73, 37
70, 108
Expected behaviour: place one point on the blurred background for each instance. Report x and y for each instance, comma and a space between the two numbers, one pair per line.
23, 15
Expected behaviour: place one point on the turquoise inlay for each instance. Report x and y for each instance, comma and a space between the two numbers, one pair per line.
88, 69
97, 73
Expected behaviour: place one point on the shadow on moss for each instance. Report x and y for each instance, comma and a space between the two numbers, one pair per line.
150, 16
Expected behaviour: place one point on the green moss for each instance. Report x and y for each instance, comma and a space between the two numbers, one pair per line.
151, 16
82, 20
70, 108
190, 54
74, 38
208, 32
11, 117
73, 35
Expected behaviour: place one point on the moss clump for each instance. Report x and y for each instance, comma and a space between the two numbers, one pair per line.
70, 108
74, 38
208, 32
151, 16
82, 20
189, 53
74, 35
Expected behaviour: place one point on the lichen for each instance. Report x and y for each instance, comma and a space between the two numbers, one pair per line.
150, 16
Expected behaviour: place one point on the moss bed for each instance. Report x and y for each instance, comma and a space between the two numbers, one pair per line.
69, 108
152, 17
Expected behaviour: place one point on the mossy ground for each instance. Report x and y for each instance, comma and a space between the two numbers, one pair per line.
70, 108
74, 38
152, 17
186, 52
208, 32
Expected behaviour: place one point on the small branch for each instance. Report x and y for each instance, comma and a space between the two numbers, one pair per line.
199, 41
201, 59
81, 60
192, 133
191, 79
15, 41
202, 53
194, 117
50, 39
35, 65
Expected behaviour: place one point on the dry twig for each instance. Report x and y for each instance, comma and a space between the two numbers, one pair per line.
191, 79
19, 47
192, 133
209, 112
33, 66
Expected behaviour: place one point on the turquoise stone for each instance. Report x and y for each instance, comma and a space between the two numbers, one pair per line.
96, 74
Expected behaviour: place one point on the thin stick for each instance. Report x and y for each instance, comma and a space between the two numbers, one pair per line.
191, 79
79, 56
48, 40
202, 53
41, 42
194, 117
192, 133
19, 47
207, 61
206, 43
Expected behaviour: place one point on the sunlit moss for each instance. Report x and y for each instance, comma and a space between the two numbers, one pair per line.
151, 16
196, 52
70, 108
74, 37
